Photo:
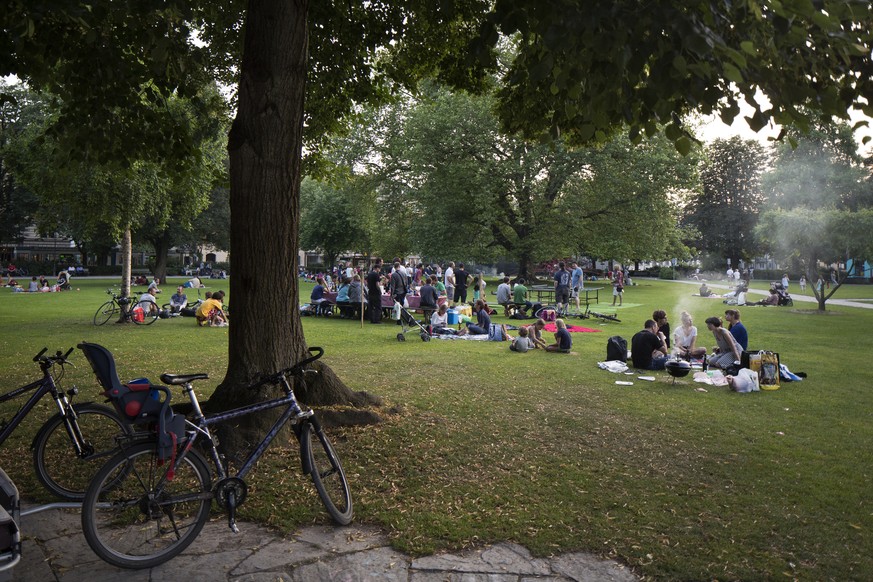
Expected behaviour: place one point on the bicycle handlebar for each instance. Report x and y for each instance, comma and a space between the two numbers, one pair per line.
58, 358
296, 368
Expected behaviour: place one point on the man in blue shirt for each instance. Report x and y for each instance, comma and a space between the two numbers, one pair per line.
578, 280
737, 329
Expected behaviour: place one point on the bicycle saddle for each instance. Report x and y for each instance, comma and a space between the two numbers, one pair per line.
179, 379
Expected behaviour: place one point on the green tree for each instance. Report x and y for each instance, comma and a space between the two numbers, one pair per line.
725, 211
18, 205
819, 196
329, 219
588, 69
816, 239
622, 207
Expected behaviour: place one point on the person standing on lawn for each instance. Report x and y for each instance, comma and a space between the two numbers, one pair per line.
374, 293
462, 279
562, 289
449, 278
618, 287
577, 279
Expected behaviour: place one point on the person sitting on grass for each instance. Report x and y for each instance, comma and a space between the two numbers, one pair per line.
522, 343
211, 311
685, 339
535, 333
439, 322
483, 320
563, 341
727, 351
705, 291
147, 303
649, 347
178, 301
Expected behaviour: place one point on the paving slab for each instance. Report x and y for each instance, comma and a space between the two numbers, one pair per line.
55, 551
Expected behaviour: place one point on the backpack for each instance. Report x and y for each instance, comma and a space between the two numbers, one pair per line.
616, 349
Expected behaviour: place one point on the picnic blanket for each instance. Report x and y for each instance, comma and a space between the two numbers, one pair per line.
483, 337
571, 328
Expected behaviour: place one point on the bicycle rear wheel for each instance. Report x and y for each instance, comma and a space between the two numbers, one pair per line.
106, 312
150, 313
57, 465
326, 472
135, 516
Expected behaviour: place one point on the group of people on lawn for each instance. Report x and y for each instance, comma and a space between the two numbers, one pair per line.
651, 347
209, 312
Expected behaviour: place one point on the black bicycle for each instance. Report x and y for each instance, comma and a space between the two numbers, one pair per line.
74, 443
145, 505
604, 317
139, 312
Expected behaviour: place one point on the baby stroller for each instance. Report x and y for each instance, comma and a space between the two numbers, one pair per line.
785, 299
409, 323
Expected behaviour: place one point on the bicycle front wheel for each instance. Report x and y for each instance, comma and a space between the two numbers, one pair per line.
326, 472
136, 516
58, 467
106, 312
150, 313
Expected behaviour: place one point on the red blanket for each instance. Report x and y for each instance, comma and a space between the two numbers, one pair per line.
571, 328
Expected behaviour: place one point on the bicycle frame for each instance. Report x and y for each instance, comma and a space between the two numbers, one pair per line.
204, 422
43, 386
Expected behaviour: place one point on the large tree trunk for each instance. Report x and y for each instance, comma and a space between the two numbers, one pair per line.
126, 260
162, 250
265, 332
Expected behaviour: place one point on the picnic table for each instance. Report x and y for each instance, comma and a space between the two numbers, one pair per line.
414, 301
546, 295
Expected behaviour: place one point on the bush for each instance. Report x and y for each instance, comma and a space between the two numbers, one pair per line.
669, 273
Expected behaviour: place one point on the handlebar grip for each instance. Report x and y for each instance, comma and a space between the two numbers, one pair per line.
69, 351
39, 355
309, 360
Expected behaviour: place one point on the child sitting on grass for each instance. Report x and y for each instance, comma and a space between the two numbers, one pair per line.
522, 343
563, 341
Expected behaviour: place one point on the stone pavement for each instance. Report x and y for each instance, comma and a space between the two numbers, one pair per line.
55, 550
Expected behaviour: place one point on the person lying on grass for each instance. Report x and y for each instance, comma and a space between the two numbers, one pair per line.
563, 341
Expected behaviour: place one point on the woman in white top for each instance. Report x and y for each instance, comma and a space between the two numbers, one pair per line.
685, 339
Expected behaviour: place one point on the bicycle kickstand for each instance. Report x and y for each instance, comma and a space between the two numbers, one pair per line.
231, 513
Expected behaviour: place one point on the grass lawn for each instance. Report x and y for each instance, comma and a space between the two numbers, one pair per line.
544, 449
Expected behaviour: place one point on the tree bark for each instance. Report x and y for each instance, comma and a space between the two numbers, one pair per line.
126, 260
265, 143
162, 249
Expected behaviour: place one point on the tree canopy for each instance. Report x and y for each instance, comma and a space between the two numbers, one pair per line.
725, 210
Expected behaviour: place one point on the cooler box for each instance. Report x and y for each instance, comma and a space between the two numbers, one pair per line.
452, 317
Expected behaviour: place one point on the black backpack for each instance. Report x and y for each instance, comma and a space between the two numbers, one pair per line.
616, 349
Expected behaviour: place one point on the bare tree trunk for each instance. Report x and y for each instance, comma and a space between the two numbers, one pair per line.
126, 260
265, 145
162, 250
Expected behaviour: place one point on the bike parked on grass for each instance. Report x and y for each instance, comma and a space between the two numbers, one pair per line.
74, 443
139, 312
150, 501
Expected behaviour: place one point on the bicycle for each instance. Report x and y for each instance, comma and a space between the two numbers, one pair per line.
140, 511
604, 317
139, 312
74, 443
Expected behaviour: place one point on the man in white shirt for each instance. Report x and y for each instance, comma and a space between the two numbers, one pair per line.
450, 280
